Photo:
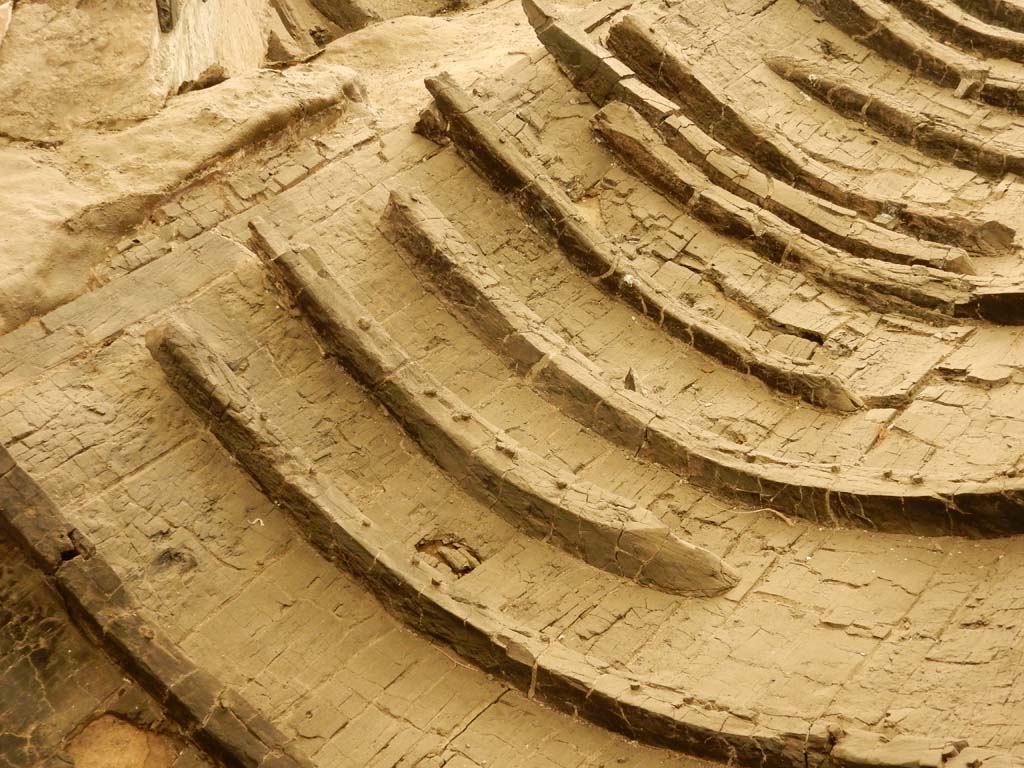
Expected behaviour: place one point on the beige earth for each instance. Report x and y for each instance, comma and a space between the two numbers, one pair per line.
112, 743
565, 384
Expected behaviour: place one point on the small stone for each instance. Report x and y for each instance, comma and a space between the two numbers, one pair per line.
506, 449
631, 382
166, 14
886, 220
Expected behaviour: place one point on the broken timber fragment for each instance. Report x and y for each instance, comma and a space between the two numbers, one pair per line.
167, 14
350, 15
210, 713
863, 749
631, 382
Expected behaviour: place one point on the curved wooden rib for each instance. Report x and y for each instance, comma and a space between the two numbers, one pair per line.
1005, 13
421, 597
838, 227
949, 22
509, 170
884, 30
849, 497
651, 57
601, 528
927, 133
879, 285
994, 299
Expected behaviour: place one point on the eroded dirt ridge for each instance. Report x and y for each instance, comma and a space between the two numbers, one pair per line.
657, 400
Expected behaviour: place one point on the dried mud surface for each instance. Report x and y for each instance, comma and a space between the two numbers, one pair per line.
475, 338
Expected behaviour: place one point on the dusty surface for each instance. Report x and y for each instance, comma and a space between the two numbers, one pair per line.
104, 183
109, 742
833, 623
393, 57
